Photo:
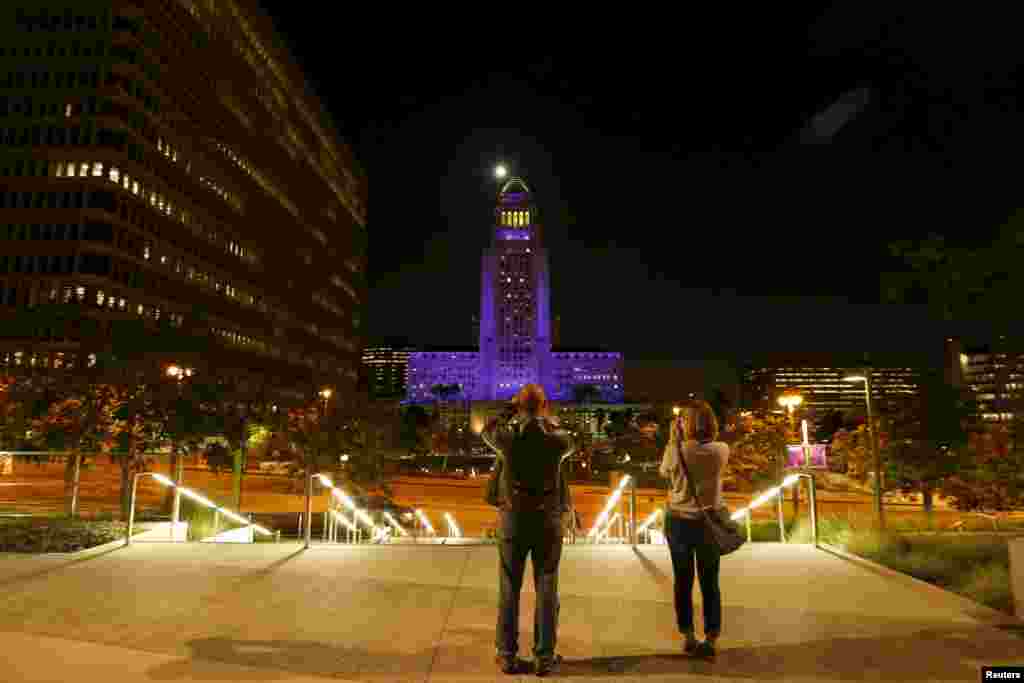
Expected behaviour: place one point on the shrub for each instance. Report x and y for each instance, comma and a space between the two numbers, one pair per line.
989, 585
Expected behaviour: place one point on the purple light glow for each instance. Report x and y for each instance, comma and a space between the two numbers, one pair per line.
508, 234
818, 455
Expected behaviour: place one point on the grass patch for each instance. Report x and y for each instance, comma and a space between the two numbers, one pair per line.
56, 535
975, 566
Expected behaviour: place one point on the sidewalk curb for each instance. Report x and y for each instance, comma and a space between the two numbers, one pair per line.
982, 613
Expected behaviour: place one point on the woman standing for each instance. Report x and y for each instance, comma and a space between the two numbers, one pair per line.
694, 436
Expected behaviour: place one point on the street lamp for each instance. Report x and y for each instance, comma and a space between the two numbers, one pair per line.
179, 374
789, 402
866, 378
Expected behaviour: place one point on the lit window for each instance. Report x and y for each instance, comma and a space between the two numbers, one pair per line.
67, 111
145, 252
60, 169
80, 293
114, 174
121, 304
97, 169
135, 186
83, 169
100, 298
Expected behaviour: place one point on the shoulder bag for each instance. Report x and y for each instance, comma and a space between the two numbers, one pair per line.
725, 533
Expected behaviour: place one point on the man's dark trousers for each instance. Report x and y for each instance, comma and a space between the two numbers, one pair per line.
539, 534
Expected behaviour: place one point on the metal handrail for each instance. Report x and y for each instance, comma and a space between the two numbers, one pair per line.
775, 492
218, 509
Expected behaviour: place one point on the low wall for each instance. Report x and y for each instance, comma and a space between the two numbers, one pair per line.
1016, 546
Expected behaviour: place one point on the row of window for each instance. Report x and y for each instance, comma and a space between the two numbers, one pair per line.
29, 106
36, 78
269, 187
156, 200
35, 293
58, 360
515, 219
67, 21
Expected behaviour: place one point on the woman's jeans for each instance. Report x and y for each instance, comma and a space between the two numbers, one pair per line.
687, 541
538, 534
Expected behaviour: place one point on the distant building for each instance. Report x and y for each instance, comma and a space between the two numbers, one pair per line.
387, 369
994, 373
515, 326
819, 379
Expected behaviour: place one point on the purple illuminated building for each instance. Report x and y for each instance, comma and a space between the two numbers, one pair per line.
515, 344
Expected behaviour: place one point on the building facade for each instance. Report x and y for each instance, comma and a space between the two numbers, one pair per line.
819, 379
993, 373
515, 323
387, 369
166, 161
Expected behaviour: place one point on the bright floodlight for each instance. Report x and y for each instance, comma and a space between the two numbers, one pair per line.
326, 393
162, 479
855, 378
327, 482
500, 171
173, 371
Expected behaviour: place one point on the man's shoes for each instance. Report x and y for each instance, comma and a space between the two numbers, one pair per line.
548, 665
510, 664
705, 650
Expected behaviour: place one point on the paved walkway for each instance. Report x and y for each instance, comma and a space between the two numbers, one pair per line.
266, 612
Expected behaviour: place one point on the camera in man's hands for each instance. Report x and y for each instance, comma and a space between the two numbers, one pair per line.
509, 412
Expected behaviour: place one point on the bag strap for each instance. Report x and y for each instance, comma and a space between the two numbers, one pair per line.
690, 480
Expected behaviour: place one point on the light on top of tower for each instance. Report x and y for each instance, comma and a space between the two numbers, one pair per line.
500, 171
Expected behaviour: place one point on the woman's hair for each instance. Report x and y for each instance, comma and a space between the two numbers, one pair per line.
701, 423
532, 400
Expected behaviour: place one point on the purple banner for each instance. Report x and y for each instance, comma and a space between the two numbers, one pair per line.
796, 455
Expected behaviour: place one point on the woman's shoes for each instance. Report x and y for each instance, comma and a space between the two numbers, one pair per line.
690, 646
510, 665
705, 650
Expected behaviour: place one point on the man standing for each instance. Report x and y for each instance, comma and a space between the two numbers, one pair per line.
534, 496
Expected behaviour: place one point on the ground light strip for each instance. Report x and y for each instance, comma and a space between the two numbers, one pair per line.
210, 504
608, 508
424, 521
766, 496
343, 497
650, 520
453, 528
608, 527
392, 522
344, 520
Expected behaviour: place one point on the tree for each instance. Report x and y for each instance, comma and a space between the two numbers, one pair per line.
415, 431
830, 423
82, 419
960, 283
757, 454
927, 439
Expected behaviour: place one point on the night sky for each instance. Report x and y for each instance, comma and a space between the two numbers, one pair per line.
694, 202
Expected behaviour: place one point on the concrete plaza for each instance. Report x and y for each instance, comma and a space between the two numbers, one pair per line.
276, 612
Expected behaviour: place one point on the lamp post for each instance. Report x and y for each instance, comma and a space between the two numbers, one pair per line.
179, 374
873, 433
790, 401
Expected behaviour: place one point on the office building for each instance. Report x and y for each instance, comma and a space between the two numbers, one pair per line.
166, 160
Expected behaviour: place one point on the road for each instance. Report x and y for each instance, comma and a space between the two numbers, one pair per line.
39, 488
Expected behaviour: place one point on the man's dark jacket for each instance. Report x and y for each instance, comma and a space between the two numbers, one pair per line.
532, 455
